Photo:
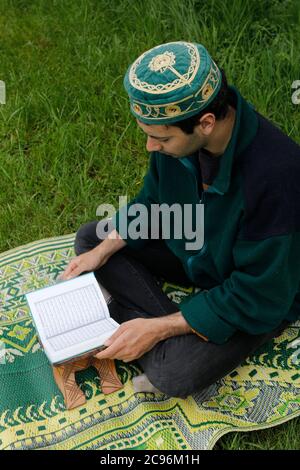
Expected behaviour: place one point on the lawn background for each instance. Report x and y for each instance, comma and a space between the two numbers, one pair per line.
67, 140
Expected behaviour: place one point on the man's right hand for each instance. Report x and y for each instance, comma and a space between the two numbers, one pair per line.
94, 259
89, 261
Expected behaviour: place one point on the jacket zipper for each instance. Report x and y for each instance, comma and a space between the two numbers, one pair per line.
204, 248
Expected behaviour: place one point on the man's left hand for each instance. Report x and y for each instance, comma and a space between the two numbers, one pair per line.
132, 340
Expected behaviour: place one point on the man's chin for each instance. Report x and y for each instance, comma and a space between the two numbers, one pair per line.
177, 155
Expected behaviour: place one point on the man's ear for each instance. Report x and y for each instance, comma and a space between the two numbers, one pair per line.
206, 124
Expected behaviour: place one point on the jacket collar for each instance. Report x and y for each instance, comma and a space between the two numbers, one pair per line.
244, 131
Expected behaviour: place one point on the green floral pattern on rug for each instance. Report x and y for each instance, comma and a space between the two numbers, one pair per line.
263, 392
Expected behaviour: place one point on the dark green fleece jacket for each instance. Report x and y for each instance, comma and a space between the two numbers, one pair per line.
249, 264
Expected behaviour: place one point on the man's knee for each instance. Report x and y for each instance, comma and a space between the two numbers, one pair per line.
91, 234
174, 366
85, 238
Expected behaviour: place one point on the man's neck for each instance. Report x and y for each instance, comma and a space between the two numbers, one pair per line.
220, 137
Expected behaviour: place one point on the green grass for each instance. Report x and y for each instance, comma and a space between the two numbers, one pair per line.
68, 142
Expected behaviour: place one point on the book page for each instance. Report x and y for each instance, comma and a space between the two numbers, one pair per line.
69, 311
71, 317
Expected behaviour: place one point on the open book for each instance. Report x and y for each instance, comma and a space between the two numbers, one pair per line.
71, 318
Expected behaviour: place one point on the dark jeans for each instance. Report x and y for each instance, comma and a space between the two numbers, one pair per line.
182, 364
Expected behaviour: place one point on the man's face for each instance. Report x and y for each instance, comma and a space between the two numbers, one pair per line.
171, 140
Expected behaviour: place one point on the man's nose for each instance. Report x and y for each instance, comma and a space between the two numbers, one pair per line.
153, 145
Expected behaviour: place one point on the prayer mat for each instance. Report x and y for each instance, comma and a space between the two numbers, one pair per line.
263, 392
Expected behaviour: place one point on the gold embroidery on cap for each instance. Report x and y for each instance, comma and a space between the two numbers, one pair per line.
172, 110
187, 105
214, 78
165, 61
207, 91
182, 80
162, 62
137, 109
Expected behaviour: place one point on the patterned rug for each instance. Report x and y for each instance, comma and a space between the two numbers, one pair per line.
263, 392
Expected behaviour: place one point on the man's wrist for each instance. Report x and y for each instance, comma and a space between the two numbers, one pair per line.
174, 325
111, 244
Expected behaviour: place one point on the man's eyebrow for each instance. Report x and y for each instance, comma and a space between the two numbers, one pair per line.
159, 138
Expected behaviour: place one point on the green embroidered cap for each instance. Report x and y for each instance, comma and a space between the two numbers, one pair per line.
171, 82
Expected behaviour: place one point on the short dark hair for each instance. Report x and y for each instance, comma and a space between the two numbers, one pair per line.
218, 107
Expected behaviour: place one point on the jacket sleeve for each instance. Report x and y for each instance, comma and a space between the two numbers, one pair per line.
136, 214
256, 297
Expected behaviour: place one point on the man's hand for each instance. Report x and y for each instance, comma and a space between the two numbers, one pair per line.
131, 340
136, 337
94, 259
89, 261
